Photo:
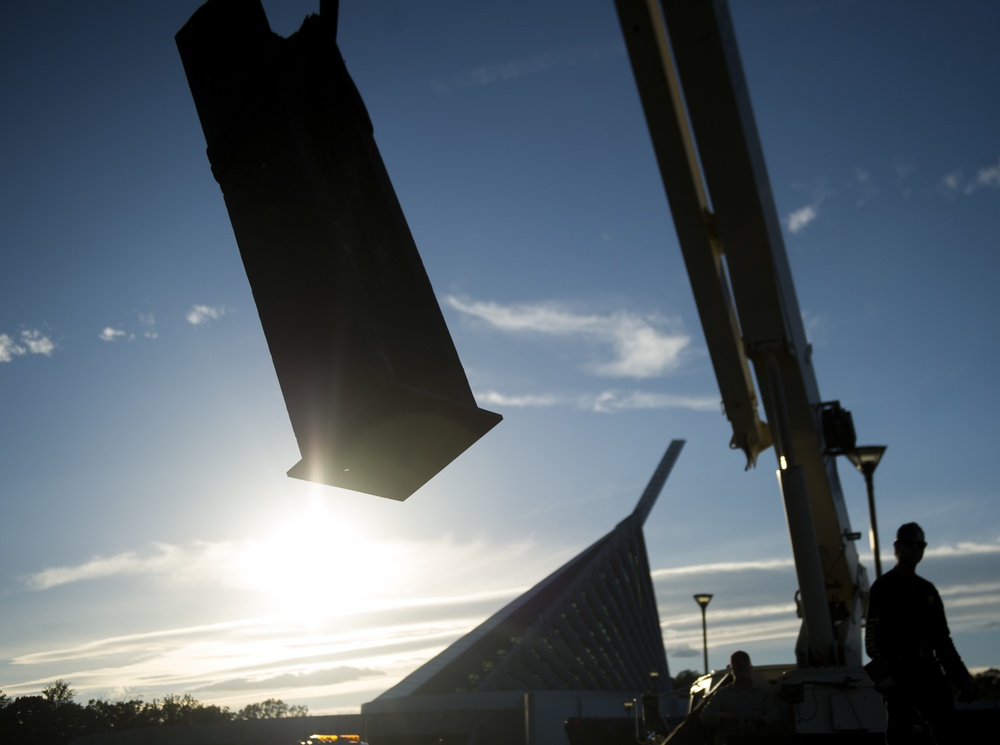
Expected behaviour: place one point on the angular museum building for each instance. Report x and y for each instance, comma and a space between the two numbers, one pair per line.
583, 642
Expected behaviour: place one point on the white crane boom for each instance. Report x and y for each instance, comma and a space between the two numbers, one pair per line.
695, 98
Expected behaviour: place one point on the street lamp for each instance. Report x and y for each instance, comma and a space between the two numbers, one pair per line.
703, 600
865, 459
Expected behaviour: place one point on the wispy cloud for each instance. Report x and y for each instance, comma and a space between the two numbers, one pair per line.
527, 401
237, 662
322, 677
797, 220
525, 66
641, 346
148, 323
346, 658
37, 343
112, 646
726, 567
989, 177
602, 402
964, 548
147, 326
801, 217
956, 183
124, 564
397, 613
29, 341
283, 563
753, 605
109, 334
200, 314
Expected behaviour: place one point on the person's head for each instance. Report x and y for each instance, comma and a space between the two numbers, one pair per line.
742, 667
909, 544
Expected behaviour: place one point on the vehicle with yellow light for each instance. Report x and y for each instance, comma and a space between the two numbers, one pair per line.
340, 739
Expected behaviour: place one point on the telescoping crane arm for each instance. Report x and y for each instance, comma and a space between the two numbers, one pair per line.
694, 95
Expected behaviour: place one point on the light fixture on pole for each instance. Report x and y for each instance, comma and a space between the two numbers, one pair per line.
703, 599
865, 459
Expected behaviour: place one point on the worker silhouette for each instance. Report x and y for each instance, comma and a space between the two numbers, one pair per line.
913, 656
744, 707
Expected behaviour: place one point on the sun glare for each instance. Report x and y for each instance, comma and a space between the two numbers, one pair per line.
316, 565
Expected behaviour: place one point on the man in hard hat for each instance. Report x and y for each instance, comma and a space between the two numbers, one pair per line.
913, 656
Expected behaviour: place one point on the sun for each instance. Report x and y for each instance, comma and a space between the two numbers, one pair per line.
318, 564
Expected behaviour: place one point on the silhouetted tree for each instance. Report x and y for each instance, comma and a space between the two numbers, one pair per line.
988, 684
184, 710
105, 716
53, 718
27, 720
271, 708
58, 693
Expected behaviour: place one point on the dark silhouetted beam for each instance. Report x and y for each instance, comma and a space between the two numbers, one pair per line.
375, 391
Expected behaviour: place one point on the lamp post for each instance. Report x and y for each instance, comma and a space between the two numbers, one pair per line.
703, 599
865, 459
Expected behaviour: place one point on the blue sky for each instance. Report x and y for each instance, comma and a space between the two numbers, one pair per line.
151, 542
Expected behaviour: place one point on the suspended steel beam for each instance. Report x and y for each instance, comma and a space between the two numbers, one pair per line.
375, 391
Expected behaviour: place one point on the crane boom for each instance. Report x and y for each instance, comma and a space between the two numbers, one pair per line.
694, 94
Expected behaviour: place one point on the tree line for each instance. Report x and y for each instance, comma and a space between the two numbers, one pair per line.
54, 718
